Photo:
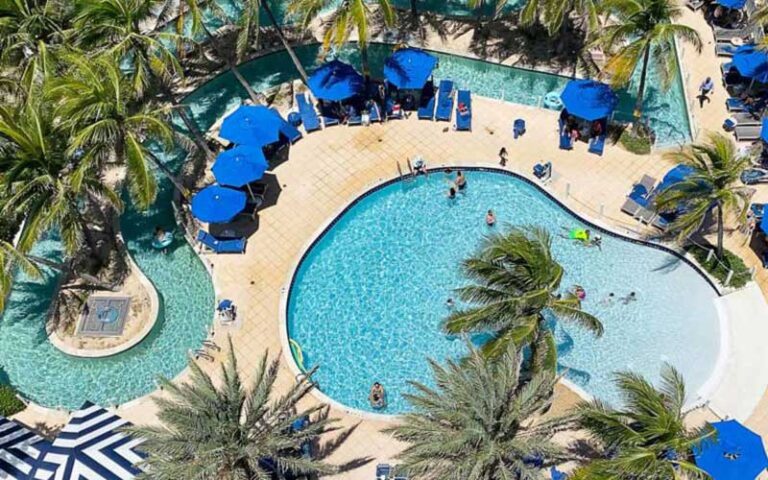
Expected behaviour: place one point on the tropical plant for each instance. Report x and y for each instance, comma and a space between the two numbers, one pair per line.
98, 106
714, 184
9, 402
31, 31
646, 438
479, 422
552, 13
223, 430
641, 32
516, 283
119, 27
43, 183
347, 16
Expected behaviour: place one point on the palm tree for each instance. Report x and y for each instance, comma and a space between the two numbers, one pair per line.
348, 15
30, 33
226, 431
10, 260
97, 104
479, 421
45, 185
553, 13
641, 32
714, 184
647, 437
121, 28
516, 281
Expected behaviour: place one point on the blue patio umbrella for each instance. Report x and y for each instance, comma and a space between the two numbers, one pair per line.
240, 166
254, 125
751, 62
735, 4
336, 81
764, 224
589, 99
409, 68
217, 204
736, 454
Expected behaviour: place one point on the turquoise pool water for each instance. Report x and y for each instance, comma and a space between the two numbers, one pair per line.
50, 378
368, 298
666, 109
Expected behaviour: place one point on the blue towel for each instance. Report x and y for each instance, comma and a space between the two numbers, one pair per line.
464, 121
444, 101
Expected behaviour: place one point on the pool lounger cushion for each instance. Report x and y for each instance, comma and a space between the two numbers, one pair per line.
374, 112
746, 118
444, 101
464, 121
308, 115
746, 133
221, 245
597, 145
292, 133
725, 49
427, 110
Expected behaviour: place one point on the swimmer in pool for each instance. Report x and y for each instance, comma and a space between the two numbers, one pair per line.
629, 298
579, 234
450, 304
490, 218
609, 299
597, 241
580, 293
377, 396
461, 181
451, 193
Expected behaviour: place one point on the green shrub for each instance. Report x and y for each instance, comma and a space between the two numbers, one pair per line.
640, 145
9, 225
9, 402
719, 269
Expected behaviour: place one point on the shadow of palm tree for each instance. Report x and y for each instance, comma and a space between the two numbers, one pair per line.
329, 447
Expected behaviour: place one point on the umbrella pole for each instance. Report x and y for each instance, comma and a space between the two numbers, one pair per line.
250, 192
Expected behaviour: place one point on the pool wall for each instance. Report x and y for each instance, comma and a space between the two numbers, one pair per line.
709, 386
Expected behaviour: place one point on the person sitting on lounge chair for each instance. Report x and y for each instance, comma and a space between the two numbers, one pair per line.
597, 128
463, 110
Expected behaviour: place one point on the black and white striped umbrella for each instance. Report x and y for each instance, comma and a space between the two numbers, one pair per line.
92, 447
20, 449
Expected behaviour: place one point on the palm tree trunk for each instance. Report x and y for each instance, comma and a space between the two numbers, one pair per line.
191, 125
286, 44
169, 174
641, 90
364, 58
720, 232
414, 10
232, 66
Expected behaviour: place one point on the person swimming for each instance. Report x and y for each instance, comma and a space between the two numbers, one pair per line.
461, 180
452, 193
449, 304
377, 397
597, 241
490, 218
629, 298
580, 293
579, 234
609, 299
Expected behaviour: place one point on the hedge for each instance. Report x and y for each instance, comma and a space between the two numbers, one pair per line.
720, 268
9, 402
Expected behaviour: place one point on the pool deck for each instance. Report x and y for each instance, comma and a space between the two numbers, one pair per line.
328, 169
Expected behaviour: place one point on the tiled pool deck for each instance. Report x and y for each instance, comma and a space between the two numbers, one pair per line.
328, 169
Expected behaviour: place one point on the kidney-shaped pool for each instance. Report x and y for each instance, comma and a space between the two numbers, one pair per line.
367, 299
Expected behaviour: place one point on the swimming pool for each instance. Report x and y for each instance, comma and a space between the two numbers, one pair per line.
51, 378
666, 110
368, 297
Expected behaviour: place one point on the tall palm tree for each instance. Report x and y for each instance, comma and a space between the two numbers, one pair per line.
225, 430
31, 31
641, 32
479, 421
10, 260
122, 27
713, 185
98, 105
44, 184
516, 280
647, 437
347, 16
553, 13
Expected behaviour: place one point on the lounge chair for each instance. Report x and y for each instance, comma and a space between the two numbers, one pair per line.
724, 35
290, 132
328, 116
444, 109
308, 115
543, 171
464, 119
597, 145
725, 68
753, 176
725, 49
747, 133
746, 118
694, 5
735, 105
764, 258
354, 117
757, 210
373, 112
221, 245
383, 470
647, 182
426, 110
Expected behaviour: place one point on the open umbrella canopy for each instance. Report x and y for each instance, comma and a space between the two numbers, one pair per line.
254, 125
751, 62
735, 4
764, 131
409, 68
589, 99
217, 204
240, 166
737, 453
336, 81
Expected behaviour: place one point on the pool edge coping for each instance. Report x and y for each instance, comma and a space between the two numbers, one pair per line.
712, 382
